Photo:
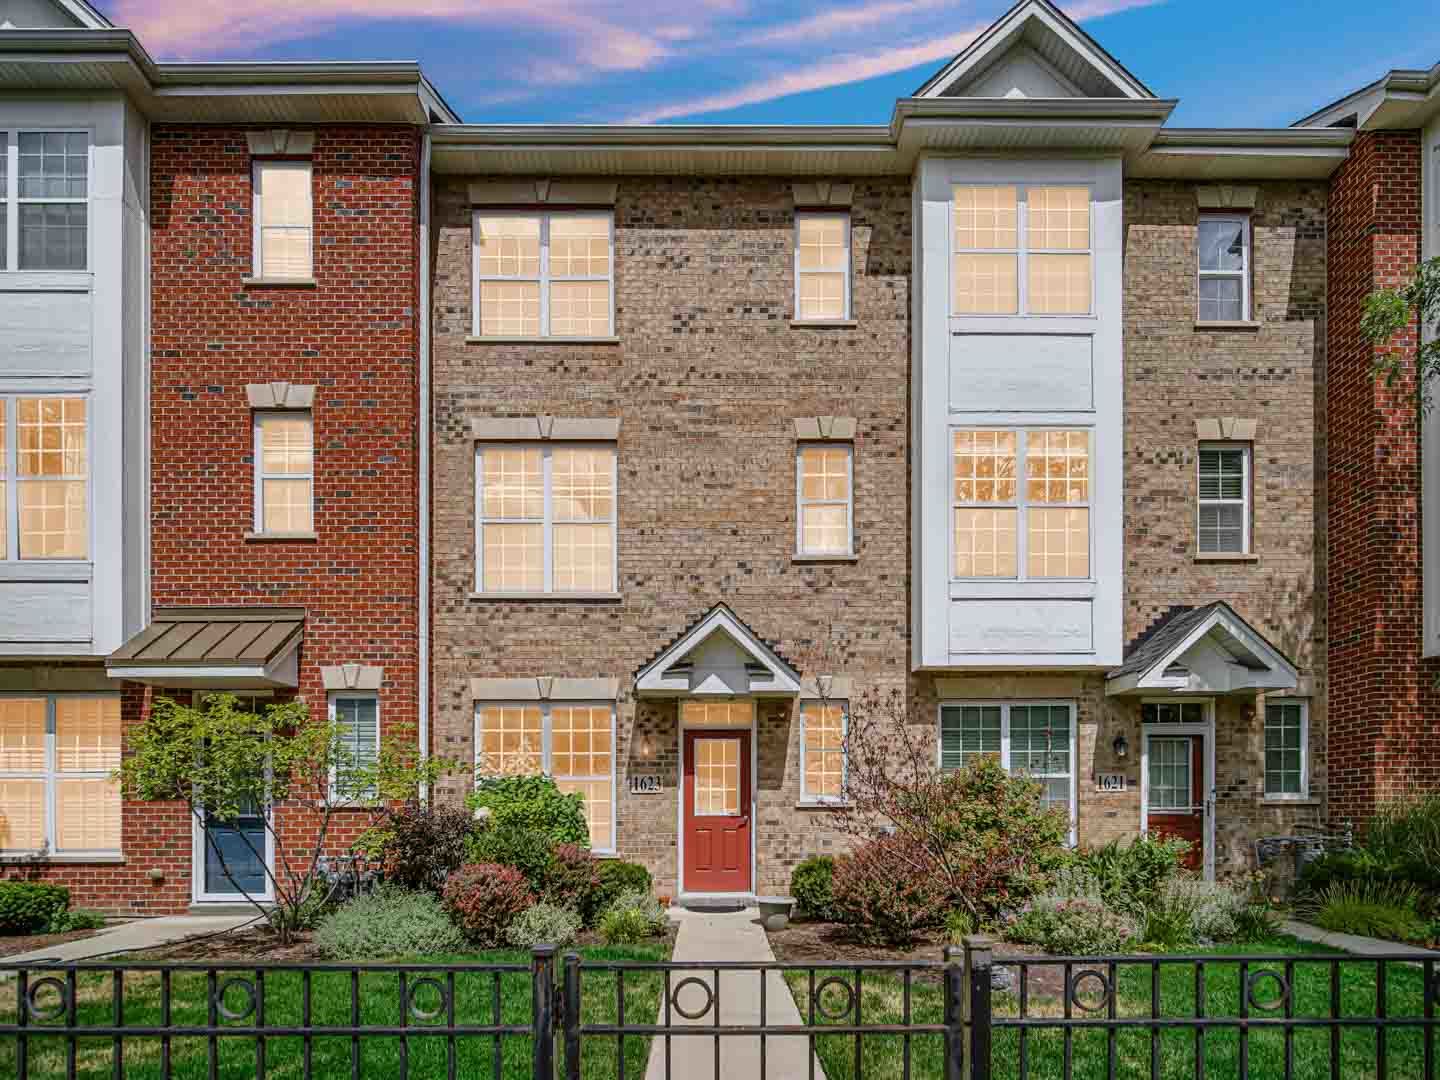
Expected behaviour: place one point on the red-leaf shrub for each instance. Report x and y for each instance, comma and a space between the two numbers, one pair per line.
885, 890
484, 899
573, 880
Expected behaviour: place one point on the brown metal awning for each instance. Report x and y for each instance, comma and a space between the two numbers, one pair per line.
244, 647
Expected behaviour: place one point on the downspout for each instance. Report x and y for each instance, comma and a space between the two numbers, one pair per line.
423, 433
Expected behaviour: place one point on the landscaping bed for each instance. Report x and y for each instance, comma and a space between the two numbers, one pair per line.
15, 944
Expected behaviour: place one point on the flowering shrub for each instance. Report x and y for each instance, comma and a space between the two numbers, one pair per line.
885, 891
572, 880
1071, 926
484, 899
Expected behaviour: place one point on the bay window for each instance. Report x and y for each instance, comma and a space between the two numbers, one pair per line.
44, 478
1033, 739
544, 274
44, 200
1021, 250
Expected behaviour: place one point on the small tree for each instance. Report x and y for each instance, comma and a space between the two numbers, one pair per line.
221, 761
1389, 311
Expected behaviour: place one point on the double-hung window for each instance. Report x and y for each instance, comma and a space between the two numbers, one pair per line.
574, 744
546, 518
1223, 507
284, 220
1287, 751
826, 500
1034, 739
44, 200
822, 266
1021, 250
57, 757
544, 274
822, 751
358, 716
284, 472
44, 478
1224, 281
1021, 503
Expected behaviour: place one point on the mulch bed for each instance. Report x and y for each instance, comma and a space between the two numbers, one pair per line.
24, 943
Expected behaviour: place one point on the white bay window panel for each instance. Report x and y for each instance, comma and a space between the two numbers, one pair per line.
284, 220
47, 505
822, 266
572, 743
826, 500
546, 519
284, 472
544, 274
1032, 739
1223, 506
1224, 274
49, 190
1021, 250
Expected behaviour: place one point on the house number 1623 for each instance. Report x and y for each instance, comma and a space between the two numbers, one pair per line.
648, 784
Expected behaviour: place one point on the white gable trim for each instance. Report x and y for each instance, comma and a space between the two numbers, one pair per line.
1004, 34
88, 17
718, 657
1208, 669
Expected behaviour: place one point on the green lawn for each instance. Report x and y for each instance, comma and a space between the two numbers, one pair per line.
380, 1056
882, 1003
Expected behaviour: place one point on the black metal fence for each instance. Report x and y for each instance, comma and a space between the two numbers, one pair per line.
972, 1015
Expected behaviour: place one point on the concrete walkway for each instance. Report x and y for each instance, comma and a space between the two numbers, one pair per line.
729, 937
136, 935
1353, 943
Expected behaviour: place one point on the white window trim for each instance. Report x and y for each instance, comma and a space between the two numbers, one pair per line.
801, 502
52, 778
1021, 251
1304, 792
261, 475
1020, 503
848, 273
257, 247
10, 476
547, 521
806, 797
545, 278
351, 695
546, 734
1247, 457
1243, 220
1005, 706
13, 202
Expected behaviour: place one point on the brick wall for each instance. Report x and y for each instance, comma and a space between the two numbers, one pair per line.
1384, 708
706, 379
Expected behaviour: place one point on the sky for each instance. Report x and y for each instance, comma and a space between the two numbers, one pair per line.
1232, 63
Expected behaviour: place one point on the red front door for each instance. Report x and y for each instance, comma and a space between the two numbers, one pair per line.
717, 812
1176, 792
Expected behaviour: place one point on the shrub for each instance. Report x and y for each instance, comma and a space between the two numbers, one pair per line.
618, 876
1405, 834
543, 924
527, 850
631, 917
418, 846
885, 891
1173, 918
1256, 921
27, 907
484, 899
531, 803
1378, 909
572, 880
389, 922
67, 922
959, 924
1131, 876
1072, 926
812, 884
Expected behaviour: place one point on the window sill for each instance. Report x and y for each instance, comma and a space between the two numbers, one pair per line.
1228, 556
797, 557
279, 537
823, 324
820, 804
17, 859
560, 598
1291, 800
475, 340
271, 282
1227, 324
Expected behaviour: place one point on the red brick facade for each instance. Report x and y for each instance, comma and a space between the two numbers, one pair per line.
1384, 736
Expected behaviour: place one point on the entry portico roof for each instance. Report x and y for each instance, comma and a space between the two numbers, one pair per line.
718, 655
215, 648
1205, 650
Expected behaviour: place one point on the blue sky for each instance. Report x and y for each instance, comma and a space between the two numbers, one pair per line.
1232, 63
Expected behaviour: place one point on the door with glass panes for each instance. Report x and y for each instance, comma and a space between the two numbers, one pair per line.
232, 856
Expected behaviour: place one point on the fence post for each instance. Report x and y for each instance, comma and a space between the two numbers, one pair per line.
979, 955
954, 1013
542, 990
570, 1016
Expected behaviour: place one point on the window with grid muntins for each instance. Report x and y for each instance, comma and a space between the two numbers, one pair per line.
822, 266
1169, 779
359, 716
1034, 740
544, 275
284, 472
1021, 503
46, 206
44, 478
1285, 750
825, 504
822, 727
1224, 503
1021, 249
1224, 274
546, 519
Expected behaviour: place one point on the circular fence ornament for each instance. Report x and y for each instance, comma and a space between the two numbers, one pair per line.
223, 991
1103, 983
844, 1011
416, 1012
698, 1013
1255, 978
40, 1012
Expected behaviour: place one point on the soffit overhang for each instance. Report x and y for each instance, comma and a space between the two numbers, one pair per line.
1205, 650
718, 656
1403, 98
219, 648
